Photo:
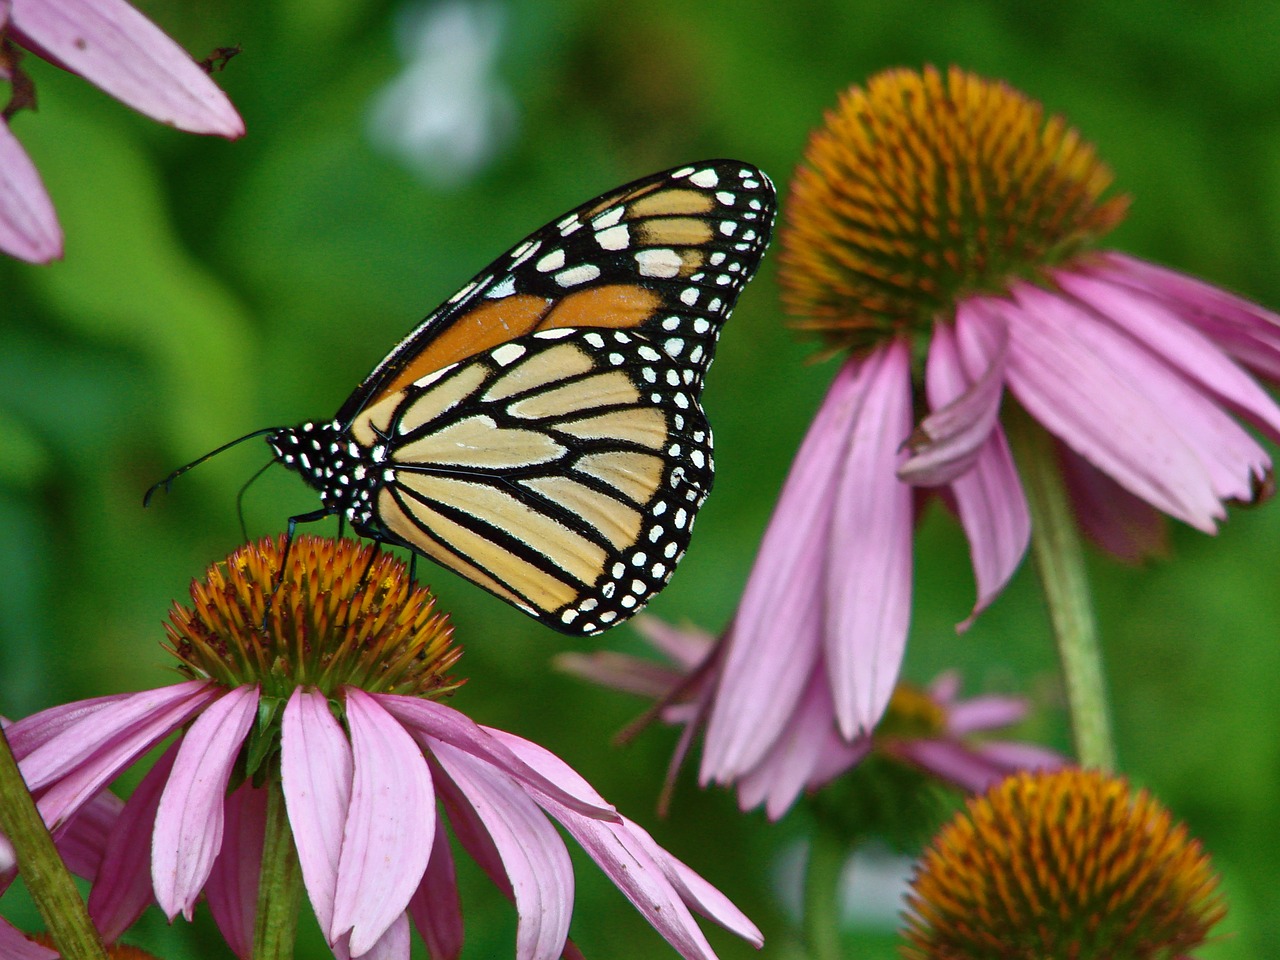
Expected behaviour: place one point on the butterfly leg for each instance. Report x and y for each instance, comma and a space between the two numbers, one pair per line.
311, 517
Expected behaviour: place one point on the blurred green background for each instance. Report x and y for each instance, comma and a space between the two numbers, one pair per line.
212, 288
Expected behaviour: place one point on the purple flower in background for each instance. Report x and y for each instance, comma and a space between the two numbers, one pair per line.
932, 730
938, 231
371, 769
116, 48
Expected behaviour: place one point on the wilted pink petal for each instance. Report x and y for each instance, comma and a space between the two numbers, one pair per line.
115, 47
28, 225
189, 820
232, 891
315, 772
1121, 523
965, 408
531, 852
777, 633
83, 838
390, 825
686, 646
14, 946
123, 890
950, 761
868, 583
621, 671
1014, 755
438, 722
436, 908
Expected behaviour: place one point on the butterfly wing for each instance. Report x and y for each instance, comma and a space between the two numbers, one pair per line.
667, 254
561, 471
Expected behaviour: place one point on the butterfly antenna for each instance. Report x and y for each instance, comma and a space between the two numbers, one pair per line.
244, 528
167, 482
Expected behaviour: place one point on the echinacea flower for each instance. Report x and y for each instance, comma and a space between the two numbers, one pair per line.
943, 232
1069, 865
327, 674
113, 46
930, 729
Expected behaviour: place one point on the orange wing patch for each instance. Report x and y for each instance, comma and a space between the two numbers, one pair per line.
619, 305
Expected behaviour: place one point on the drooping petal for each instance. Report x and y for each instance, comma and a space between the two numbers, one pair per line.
1014, 755
436, 908
1164, 331
1119, 522
1073, 386
435, 721
14, 946
696, 891
777, 633
116, 738
390, 826
232, 891
112, 45
190, 818
28, 225
989, 498
868, 582
621, 671
808, 742
1245, 330
950, 761
83, 839
946, 443
687, 646
628, 864
315, 773
392, 945
481, 799
123, 889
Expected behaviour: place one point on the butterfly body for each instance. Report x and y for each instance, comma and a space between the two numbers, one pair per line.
540, 432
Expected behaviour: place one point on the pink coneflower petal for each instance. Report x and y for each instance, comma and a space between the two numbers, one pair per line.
315, 772
1121, 523
868, 582
389, 829
122, 889
1013, 755
685, 646
82, 841
120, 735
436, 908
1243, 329
782, 604
115, 47
984, 713
695, 891
190, 818
988, 498
619, 671
28, 225
950, 761
1179, 344
789, 766
946, 443
232, 891
1069, 380
531, 853
434, 721
15, 946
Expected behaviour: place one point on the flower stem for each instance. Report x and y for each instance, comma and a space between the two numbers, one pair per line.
827, 855
43, 871
280, 884
1055, 543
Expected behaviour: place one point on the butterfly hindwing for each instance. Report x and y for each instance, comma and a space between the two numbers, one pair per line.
669, 253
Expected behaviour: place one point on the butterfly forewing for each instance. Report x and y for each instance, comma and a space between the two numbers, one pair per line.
670, 253
541, 433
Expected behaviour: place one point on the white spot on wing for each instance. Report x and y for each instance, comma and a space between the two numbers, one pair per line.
659, 262
582, 273
552, 261
705, 179
505, 288
508, 353
608, 218
614, 238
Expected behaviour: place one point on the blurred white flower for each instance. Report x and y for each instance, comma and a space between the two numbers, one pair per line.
447, 113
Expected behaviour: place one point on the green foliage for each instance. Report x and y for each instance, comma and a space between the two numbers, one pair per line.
211, 288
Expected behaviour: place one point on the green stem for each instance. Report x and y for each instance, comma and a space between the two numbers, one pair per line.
43, 872
1059, 555
827, 855
280, 884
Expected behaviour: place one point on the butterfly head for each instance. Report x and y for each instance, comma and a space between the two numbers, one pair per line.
345, 473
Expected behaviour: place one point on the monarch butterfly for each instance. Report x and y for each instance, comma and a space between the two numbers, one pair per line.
540, 433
